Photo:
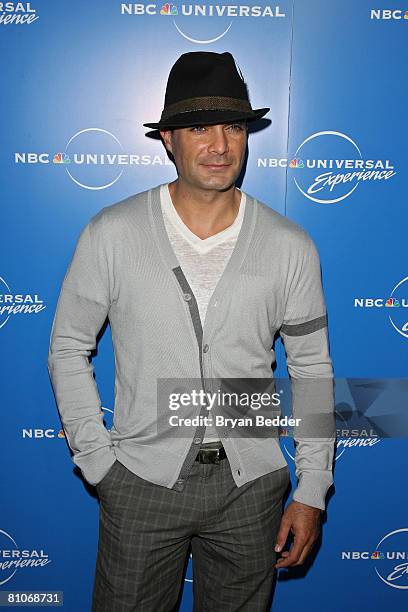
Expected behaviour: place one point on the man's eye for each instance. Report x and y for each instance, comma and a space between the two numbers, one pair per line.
197, 128
237, 127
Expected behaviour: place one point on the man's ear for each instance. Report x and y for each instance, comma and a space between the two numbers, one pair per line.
166, 137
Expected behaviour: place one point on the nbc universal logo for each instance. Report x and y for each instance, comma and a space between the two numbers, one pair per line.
395, 306
93, 158
222, 14
49, 433
13, 558
389, 14
328, 166
345, 438
13, 304
18, 13
389, 559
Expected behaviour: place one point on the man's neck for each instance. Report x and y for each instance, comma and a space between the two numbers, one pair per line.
205, 212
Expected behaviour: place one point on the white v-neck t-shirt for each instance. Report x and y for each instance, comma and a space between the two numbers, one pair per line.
202, 261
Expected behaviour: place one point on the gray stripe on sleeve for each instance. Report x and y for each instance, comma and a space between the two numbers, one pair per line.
302, 329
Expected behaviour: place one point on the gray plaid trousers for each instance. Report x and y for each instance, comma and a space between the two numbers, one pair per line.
145, 531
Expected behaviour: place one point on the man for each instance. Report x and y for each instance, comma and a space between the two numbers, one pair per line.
196, 277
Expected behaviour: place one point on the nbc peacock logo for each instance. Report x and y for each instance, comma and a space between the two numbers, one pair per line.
61, 158
296, 163
168, 9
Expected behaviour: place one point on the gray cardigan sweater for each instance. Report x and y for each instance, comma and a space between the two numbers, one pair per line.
124, 268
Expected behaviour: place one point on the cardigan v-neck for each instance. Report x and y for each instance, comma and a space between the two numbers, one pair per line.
231, 270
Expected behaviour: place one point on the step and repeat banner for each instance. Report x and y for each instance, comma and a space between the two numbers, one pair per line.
79, 80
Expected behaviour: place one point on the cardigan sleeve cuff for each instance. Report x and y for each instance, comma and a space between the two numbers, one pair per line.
312, 488
96, 464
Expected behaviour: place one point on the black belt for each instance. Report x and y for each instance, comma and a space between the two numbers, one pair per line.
211, 454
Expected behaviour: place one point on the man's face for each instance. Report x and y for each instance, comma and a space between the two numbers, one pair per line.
208, 156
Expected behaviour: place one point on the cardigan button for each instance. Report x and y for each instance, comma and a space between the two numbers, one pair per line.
205, 348
187, 296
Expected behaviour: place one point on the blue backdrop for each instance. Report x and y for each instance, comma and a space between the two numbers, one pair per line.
79, 80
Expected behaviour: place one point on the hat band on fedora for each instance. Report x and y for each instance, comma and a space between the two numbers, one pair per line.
206, 103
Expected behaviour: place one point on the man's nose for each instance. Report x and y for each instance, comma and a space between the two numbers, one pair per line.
219, 140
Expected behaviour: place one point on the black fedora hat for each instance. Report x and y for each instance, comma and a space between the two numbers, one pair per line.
204, 88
